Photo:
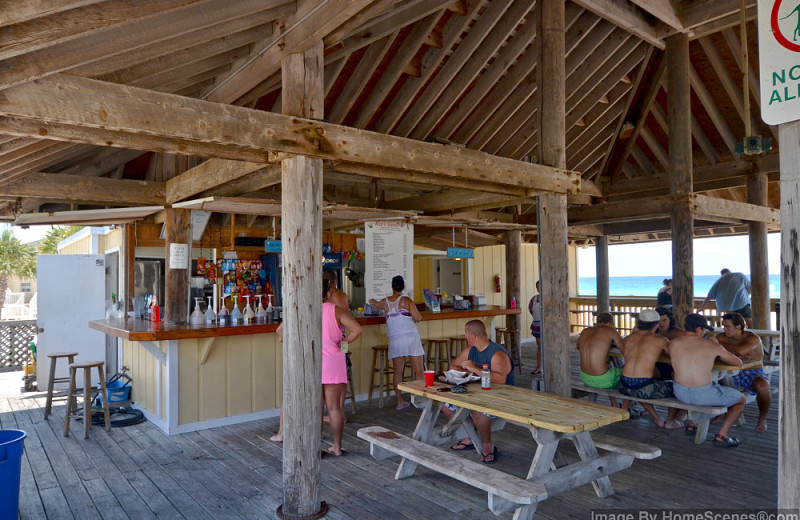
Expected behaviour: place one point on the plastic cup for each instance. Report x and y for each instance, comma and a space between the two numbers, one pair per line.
429, 377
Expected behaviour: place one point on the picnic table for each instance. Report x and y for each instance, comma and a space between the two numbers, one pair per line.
550, 418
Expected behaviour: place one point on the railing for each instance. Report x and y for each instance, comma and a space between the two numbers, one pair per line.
14, 339
582, 312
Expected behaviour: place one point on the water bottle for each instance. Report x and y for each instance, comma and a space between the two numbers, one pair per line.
486, 378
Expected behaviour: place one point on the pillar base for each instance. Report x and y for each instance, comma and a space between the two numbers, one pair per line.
323, 510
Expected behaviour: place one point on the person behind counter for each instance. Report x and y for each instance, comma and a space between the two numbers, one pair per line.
402, 317
334, 364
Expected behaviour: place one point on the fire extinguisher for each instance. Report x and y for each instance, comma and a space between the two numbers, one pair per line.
497, 283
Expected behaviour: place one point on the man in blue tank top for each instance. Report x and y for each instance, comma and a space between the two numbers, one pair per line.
481, 351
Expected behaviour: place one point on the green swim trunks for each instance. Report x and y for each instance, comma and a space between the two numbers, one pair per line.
609, 380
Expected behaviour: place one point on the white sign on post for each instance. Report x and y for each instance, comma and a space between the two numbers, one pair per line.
390, 252
779, 57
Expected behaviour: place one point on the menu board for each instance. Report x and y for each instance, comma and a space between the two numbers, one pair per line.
389, 252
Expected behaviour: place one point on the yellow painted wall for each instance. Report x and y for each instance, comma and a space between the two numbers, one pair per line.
112, 240
423, 276
79, 247
142, 368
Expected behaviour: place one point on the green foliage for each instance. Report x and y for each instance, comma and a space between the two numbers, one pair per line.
48, 245
16, 258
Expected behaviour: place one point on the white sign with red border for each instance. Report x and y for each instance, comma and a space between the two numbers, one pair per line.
779, 57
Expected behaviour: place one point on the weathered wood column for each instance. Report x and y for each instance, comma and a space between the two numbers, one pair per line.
759, 269
514, 285
680, 175
601, 270
301, 233
552, 219
789, 413
175, 308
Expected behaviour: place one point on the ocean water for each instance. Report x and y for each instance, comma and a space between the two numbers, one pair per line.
649, 285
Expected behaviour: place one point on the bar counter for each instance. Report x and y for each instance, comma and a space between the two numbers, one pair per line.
135, 329
192, 377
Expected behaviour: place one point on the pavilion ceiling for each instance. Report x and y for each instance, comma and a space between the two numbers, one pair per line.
460, 72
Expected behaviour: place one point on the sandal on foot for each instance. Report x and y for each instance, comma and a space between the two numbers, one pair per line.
690, 429
461, 445
724, 441
402, 406
491, 458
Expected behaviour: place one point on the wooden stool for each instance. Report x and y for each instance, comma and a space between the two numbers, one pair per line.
457, 344
54, 357
438, 353
351, 386
381, 366
72, 401
506, 337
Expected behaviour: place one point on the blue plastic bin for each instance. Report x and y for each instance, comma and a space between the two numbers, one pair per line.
12, 443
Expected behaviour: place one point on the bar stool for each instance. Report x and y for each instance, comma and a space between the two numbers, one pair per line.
351, 386
380, 366
506, 337
54, 357
438, 353
72, 401
457, 344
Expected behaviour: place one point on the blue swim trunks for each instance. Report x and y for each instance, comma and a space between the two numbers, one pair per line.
745, 378
712, 394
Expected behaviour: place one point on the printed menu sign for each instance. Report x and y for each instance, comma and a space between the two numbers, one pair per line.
389, 252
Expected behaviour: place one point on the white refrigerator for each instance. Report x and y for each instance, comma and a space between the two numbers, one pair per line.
71, 292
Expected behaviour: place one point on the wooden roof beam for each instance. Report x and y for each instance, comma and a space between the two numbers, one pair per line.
713, 207
623, 14
712, 109
17, 12
701, 12
100, 45
310, 23
664, 10
94, 112
96, 190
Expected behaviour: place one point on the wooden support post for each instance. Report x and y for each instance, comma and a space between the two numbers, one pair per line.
514, 288
553, 207
789, 413
129, 267
175, 308
680, 175
601, 263
759, 270
301, 232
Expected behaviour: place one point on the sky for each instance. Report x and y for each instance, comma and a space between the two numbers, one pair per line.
30, 234
655, 258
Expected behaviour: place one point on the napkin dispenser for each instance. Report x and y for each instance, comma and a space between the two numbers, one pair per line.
460, 304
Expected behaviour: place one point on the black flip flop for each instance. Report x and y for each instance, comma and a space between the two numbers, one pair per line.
493, 455
463, 446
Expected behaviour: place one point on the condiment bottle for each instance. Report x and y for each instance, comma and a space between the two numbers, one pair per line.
513, 302
261, 314
249, 315
486, 378
197, 316
209, 316
236, 314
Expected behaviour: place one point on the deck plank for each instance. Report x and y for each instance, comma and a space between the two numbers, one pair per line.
138, 472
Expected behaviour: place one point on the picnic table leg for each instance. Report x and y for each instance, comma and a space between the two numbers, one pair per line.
422, 433
546, 449
472, 432
587, 450
702, 421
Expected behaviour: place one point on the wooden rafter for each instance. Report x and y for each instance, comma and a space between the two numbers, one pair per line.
85, 189
664, 10
712, 110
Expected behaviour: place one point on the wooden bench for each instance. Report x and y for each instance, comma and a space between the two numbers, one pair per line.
506, 492
700, 415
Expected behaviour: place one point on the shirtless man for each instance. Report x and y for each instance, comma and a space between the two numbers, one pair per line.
642, 349
693, 359
593, 346
746, 345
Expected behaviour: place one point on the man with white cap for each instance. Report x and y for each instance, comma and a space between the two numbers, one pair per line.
642, 350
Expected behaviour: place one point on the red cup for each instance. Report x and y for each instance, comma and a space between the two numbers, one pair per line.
429, 377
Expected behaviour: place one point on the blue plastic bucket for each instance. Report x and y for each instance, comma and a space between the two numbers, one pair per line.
12, 443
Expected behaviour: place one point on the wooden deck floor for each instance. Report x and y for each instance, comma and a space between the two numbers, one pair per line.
235, 472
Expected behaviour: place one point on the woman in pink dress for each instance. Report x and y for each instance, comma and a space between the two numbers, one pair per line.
335, 321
